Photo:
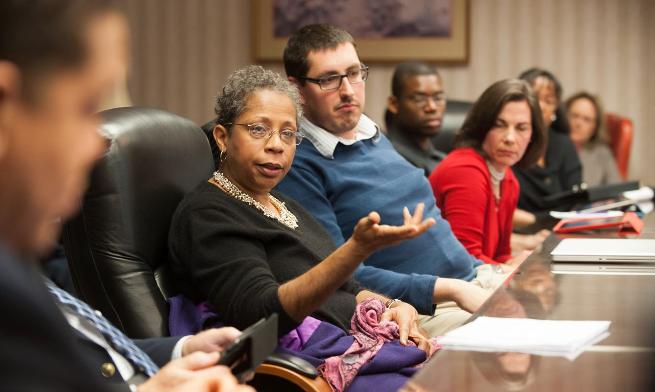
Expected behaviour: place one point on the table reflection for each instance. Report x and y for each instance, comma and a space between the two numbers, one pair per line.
537, 278
623, 361
510, 370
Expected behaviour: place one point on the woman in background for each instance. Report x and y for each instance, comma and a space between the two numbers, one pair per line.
585, 115
474, 185
558, 169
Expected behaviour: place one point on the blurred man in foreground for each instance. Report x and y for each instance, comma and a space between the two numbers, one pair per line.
57, 58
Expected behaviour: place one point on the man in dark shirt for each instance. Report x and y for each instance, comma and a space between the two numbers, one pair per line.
415, 113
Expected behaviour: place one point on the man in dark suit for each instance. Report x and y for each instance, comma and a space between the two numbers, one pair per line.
57, 58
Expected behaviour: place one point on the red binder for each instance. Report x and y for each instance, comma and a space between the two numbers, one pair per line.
628, 223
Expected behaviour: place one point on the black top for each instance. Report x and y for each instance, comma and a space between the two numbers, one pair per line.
562, 172
426, 160
229, 253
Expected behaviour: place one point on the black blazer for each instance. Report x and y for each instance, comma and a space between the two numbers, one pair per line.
38, 349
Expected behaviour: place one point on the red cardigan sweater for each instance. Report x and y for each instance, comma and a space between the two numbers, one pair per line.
462, 186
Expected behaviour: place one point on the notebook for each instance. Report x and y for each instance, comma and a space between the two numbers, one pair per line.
605, 250
541, 337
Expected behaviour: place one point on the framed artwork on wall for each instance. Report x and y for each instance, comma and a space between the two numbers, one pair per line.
385, 30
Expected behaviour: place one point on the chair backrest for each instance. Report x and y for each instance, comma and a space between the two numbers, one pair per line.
117, 246
453, 119
620, 132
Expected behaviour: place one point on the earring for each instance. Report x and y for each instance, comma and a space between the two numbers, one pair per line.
222, 157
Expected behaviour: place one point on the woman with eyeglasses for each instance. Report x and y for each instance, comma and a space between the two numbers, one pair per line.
558, 170
585, 115
474, 185
250, 252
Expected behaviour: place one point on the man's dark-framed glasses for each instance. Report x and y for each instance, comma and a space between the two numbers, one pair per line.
333, 82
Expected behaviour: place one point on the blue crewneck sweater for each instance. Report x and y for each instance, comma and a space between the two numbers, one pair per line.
370, 175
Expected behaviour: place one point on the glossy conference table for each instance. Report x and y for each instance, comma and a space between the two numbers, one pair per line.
625, 361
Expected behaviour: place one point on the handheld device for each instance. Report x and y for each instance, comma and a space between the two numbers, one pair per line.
252, 347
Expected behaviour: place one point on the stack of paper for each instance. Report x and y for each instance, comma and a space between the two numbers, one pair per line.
542, 337
644, 198
580, 215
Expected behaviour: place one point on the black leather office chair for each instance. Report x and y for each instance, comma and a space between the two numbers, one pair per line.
117, 246
453, 119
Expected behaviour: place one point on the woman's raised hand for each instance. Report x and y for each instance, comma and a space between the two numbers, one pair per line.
370, 235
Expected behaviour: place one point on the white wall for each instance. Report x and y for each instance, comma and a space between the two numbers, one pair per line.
183, 50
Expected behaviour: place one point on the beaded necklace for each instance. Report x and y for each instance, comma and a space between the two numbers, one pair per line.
496, 179
496, 176
285, 216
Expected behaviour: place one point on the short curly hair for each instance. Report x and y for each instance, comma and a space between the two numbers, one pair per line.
242, 83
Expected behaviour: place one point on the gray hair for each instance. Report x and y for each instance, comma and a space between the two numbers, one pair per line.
242, 83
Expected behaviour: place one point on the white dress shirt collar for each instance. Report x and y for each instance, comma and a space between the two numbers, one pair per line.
326, 142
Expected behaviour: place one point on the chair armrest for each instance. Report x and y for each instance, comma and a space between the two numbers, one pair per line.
308, 384
296, 364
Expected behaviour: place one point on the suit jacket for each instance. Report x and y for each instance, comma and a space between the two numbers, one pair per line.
39, 351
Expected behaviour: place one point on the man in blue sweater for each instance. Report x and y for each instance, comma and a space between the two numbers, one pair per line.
346, 168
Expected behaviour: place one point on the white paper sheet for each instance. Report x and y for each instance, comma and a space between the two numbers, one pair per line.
542, 337
578, 215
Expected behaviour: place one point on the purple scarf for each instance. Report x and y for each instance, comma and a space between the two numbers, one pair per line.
370, 334
385, 365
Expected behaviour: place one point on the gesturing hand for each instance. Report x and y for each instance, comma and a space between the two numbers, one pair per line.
370, 235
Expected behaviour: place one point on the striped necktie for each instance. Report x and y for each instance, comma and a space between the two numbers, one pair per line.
116, 339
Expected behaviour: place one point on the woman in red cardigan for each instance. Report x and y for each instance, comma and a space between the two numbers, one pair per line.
474, 185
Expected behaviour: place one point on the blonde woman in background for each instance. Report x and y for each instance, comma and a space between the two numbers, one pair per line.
585, 115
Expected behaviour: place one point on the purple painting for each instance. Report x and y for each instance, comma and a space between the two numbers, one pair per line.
367, 18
